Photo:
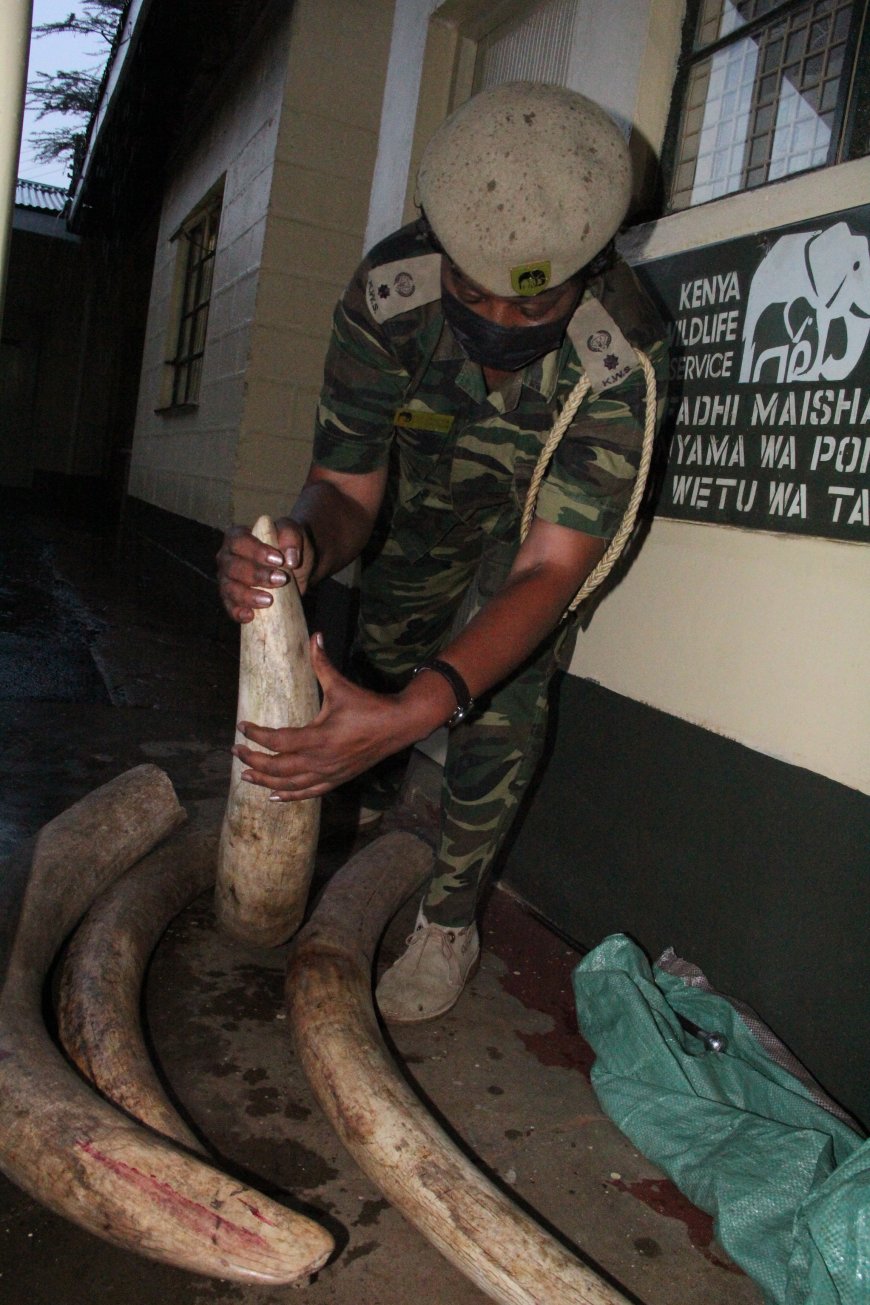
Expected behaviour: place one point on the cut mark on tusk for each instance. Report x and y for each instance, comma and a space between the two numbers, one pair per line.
63, 1143
192, 1213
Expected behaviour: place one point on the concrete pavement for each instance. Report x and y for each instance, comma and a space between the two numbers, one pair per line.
93, 680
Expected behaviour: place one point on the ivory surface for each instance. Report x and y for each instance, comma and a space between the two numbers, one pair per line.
267, 849
384, 1126
100, 995
59, 1141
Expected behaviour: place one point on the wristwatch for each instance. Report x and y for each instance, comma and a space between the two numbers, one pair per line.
464, 700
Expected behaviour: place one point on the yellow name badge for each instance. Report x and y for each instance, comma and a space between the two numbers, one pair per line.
415, 419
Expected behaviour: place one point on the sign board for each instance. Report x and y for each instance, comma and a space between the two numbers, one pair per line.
769, 407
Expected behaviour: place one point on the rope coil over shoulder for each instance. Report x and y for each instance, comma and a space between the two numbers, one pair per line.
605, 565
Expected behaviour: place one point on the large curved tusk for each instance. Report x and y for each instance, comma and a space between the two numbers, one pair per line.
379, 1119
267, 848
59, 1141
100, 994
50, 882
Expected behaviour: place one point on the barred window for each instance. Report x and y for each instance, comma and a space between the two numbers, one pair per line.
766, 89
195, 270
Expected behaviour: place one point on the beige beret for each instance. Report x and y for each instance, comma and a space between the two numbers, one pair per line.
524, 184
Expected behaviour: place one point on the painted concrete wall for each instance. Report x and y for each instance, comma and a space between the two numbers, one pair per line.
296, 139
56, 372
325, 156
762, 638
399, 111
186, 462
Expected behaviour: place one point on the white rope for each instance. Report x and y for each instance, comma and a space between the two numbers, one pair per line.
605, 565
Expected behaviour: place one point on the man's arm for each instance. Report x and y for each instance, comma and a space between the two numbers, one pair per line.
356, 728
337, 511
550, 567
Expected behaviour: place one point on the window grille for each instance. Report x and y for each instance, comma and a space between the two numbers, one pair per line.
767, 89
535, 47
199, 236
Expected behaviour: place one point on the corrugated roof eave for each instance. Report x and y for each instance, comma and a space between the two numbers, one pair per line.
40, 197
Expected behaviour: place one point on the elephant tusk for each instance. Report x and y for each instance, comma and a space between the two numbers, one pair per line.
379, 1119
100, 992
267, 849
59, 1141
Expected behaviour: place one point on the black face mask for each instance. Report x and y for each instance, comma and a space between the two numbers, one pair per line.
506, 348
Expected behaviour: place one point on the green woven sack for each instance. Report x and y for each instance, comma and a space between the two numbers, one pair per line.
744, 1132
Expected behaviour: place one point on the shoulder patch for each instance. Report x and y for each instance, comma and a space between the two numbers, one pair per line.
606, 355
395, 288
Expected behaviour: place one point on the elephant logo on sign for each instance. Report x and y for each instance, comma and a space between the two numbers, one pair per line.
808, 311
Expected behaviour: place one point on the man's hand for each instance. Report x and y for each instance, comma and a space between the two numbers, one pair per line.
353, 730
335, 509
248, 569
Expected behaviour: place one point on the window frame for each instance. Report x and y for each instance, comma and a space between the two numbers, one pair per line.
853, 98
186, 339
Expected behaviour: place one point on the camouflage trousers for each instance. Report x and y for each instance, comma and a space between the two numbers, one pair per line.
407, 613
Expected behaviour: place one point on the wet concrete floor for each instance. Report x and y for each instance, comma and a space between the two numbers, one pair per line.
93, 681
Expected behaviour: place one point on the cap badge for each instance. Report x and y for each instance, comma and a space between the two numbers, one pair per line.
531, 278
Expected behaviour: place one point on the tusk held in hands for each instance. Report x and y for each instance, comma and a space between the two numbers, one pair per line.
267, 849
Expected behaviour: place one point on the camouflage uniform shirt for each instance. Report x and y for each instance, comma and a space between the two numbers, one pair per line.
399, 390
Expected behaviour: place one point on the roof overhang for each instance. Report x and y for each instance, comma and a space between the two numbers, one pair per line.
42, 224
119, 64
168, 60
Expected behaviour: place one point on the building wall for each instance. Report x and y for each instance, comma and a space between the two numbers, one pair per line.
324, 159
295, 137
185, 462
760, 637
44, 326
72, 340
710, 739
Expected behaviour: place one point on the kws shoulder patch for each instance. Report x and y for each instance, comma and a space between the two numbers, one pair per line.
606, 355
396, 288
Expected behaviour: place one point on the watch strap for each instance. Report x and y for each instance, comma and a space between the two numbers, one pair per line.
464, 700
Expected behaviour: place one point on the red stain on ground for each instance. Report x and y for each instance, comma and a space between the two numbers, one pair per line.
199, 1218
664, 1198
539, 967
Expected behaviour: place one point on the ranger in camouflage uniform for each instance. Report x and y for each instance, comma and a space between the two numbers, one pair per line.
464, 458
444, 377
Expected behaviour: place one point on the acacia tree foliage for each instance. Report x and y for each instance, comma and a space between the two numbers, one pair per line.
73, 92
